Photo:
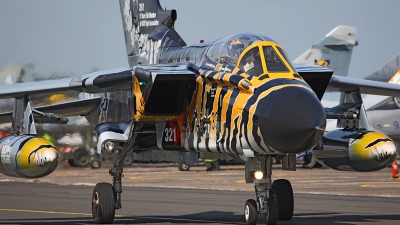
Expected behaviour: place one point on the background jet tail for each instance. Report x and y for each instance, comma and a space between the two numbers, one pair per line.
148, 30
333, 51
390, 72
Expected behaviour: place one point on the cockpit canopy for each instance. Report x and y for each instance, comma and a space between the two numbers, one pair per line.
229, 50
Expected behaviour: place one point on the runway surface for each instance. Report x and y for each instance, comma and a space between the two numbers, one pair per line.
45, 201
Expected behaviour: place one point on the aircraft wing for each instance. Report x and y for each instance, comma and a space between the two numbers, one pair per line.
165, 87
348, 84
72, 108
95, 82
321, 79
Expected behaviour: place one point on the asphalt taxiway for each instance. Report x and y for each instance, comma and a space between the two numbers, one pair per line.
160, 194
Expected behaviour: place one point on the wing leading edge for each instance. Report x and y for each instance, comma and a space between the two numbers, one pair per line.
95, 82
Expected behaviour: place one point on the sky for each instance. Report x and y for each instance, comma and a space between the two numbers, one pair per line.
75, 37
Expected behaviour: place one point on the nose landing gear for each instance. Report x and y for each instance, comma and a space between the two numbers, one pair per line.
274, 199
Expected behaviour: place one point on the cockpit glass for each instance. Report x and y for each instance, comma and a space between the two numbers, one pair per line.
273, 61
285, 56
251, 62
228, 50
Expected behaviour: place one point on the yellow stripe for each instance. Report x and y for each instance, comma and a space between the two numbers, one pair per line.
213, 119
49, 212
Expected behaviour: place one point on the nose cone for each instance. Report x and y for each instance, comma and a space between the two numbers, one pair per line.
291, 119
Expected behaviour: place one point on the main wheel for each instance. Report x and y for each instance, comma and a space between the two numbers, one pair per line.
81, 158
183, 167
272, 213
250, 212
103, 203
282, 193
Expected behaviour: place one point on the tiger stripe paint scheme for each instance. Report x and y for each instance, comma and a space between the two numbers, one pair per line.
229, 109
366, 150
221, 114
371, 146
27, 156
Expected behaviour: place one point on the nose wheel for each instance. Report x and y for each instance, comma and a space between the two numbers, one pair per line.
250, 212
271, 212
282, 193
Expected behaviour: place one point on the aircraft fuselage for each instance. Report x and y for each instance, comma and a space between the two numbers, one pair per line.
228, 110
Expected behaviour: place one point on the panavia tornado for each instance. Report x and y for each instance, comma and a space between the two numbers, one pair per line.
238, 96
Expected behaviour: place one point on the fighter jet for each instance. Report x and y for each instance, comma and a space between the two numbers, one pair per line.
238, 95
383, 115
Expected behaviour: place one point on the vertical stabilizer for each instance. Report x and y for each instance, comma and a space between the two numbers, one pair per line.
148, 29
390, 72
333, 51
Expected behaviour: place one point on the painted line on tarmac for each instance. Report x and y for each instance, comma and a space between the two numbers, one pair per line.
381, 185
49, 212
189, 220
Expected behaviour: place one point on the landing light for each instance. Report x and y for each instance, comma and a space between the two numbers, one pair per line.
109, 145
258, 175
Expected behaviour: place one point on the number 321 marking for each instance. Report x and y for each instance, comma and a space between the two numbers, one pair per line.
170, 134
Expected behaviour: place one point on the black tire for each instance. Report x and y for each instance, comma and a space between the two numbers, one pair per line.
103, 203
71, 162
183, 167
282, 193
95, 162
81, 158
272, 214
128, 160
250, 212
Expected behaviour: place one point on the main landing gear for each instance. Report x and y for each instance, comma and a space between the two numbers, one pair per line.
119, 139
106, 198
274, 199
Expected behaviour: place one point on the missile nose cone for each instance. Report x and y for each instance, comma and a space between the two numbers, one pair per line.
45, 156
292, 120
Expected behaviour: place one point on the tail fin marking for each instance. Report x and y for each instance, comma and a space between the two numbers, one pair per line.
333, 51
146, 26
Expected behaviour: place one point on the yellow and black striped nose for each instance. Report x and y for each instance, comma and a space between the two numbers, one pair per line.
291, 119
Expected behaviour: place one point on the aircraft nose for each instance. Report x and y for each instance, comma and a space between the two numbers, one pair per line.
292, 120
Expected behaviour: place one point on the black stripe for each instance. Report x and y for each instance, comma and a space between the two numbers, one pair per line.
234, 95
377, 141
34, 151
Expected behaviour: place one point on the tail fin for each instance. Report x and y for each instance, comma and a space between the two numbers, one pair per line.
148, 30
390, 72
334, 51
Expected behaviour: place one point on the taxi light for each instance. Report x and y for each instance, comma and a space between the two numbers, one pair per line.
109, 145
258, 175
